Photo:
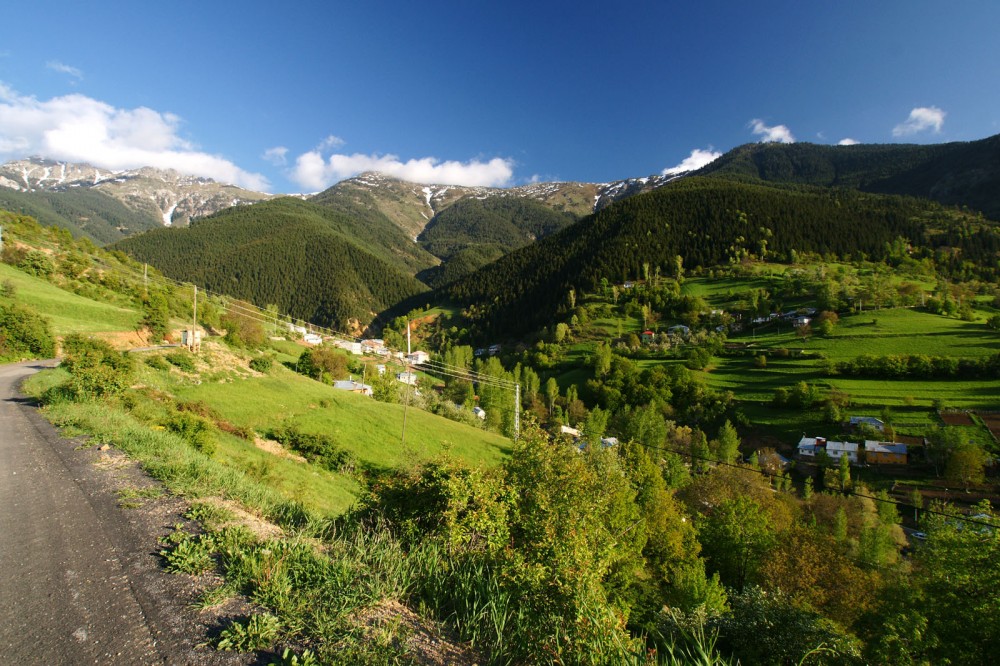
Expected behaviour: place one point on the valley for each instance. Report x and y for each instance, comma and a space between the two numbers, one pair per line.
641, 419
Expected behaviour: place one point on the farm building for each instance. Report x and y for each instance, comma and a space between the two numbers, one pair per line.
878, 424
809, 447
353, 386
884, 453
418, 357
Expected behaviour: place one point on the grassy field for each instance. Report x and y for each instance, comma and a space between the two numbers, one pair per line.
368, 429
68, 312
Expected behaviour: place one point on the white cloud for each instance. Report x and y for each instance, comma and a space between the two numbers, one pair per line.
313, 172
276, 156
696, 160
776, 134
330, 142
63, 68
847, 142
921, 119
76, 128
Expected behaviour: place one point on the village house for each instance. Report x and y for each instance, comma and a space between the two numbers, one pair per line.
648, 336
418, 357
349, 346
679, 329
810, 447
407, 378
353, 386
878, 424
479, 412
312, 339
884, 453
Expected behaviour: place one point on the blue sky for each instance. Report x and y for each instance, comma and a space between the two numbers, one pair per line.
292, 97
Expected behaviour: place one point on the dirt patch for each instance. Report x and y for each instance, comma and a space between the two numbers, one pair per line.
276, 449
956, 418
260, 527
391, 621
992, 422
125, 339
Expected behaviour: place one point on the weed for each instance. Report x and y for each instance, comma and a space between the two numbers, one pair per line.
190, 554
209, 515
213, 596
289, 658
256, 633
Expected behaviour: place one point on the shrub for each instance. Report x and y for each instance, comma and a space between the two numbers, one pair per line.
24, 333
261, 364
96, 369
157, 362
316, 448
181, 360
194, 429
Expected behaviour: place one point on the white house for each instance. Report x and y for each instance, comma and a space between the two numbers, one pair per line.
566, 430
348, 345
479, 412
679, 329
878, 424
353, 386
407, 378
811, 446
418, 357
312, 339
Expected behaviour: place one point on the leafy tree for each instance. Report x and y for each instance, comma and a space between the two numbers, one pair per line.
727, 446
322, 363
736, 537
155, 314
242, 330
551, 392
967, 464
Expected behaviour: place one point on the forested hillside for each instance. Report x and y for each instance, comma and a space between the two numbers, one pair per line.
961, 174
477, 231
84, 212
313, 263
701, 222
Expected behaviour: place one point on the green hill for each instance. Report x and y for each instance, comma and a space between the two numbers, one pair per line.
84, 212
314, 263
709, 222
475, 232
961, 173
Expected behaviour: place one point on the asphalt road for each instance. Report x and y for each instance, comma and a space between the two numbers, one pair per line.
80, 579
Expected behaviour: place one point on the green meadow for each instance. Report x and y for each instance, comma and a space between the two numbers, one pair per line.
68, 312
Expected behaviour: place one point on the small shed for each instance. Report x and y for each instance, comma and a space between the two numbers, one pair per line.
479, 412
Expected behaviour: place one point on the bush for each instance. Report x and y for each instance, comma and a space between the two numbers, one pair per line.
261, 364
319, 449
157, 362
96, 369
194, 429
24, 333
181, 360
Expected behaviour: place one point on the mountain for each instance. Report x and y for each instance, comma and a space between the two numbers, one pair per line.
161, 196
313, 262
412, 206
83, 211
707, 222
955, 174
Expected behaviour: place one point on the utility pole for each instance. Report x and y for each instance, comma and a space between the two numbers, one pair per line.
145, 277
194, 319
1, 239
517, 411
407, 375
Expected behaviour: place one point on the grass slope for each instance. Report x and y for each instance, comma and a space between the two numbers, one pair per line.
370, 430
68, 312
